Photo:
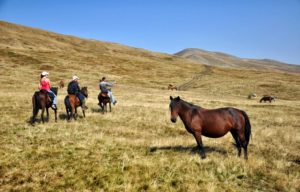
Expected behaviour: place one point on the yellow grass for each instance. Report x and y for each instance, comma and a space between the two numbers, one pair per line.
136, 147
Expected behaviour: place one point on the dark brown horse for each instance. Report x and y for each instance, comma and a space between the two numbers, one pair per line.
212, 123
72, 102
266, 98
41, 100
104, 99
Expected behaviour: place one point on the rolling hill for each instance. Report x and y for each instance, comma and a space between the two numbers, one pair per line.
225, 60
33, 50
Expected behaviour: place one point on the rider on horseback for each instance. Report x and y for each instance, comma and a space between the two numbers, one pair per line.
103, 85
46, 85
74, 89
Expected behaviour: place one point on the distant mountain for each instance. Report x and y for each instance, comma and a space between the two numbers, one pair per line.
226, 60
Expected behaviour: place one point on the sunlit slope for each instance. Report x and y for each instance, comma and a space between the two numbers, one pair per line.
25, 52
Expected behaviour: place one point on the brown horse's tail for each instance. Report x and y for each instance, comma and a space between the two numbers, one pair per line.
247, 126
36, 100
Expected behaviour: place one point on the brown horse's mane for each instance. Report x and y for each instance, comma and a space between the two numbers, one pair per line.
193, 106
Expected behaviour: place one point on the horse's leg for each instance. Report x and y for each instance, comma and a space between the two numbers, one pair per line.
42, 114
198, 138
74, 112
47, 111
237, 141
109, 106
83, 112
55, 113
243, 143
102, 106
245, 146
68, 115
34, 114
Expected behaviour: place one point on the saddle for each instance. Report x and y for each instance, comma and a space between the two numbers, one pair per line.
74, 96
104, 94
49, 98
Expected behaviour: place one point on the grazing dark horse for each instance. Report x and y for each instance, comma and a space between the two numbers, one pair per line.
266, 98
41, 100
212, 123
72, 102
172, 87
61, 84
104, 99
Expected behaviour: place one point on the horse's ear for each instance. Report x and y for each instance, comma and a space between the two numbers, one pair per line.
177, 98
171, 98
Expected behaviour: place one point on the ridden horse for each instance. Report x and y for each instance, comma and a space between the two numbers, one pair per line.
266, 98
212, 123
72, 102
41, 100
171, 87
104, 99
61, 84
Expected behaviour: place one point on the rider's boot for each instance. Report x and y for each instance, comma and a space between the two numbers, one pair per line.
84, 107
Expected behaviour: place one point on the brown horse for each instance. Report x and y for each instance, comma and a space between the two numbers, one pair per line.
72, 102
104, 99
172, 87
61, 84
266, 98
212, 123
41, 100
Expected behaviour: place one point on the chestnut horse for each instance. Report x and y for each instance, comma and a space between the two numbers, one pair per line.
171, 87
212, 123
61, 84
267, 98
104, 99
41, 100
72, 102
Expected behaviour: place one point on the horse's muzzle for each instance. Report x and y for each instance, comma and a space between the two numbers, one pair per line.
173, 120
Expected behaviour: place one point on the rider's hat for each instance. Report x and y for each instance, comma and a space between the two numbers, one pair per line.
75, 78
44, 73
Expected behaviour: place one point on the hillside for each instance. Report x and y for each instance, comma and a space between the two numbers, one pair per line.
136, 147
38, 50
32, 50
226, 60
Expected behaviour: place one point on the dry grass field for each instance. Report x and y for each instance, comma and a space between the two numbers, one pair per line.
136, 147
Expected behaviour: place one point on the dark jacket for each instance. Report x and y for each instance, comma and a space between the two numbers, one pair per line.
73, 88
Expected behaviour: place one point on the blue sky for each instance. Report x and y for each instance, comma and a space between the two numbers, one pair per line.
244, 28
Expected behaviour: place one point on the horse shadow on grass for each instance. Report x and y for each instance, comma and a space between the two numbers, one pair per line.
64, 116
96, 110
188, 149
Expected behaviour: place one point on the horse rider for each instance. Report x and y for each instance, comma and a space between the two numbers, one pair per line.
46, 85
104, 87
74, 89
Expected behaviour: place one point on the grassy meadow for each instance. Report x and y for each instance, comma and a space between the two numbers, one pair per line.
136, 147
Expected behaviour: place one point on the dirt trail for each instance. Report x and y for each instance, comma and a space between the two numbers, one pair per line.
187, 85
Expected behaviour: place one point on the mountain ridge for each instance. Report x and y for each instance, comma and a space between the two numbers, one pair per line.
220, 59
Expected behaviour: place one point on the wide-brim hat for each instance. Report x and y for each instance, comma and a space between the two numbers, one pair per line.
44, 73
75, 78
